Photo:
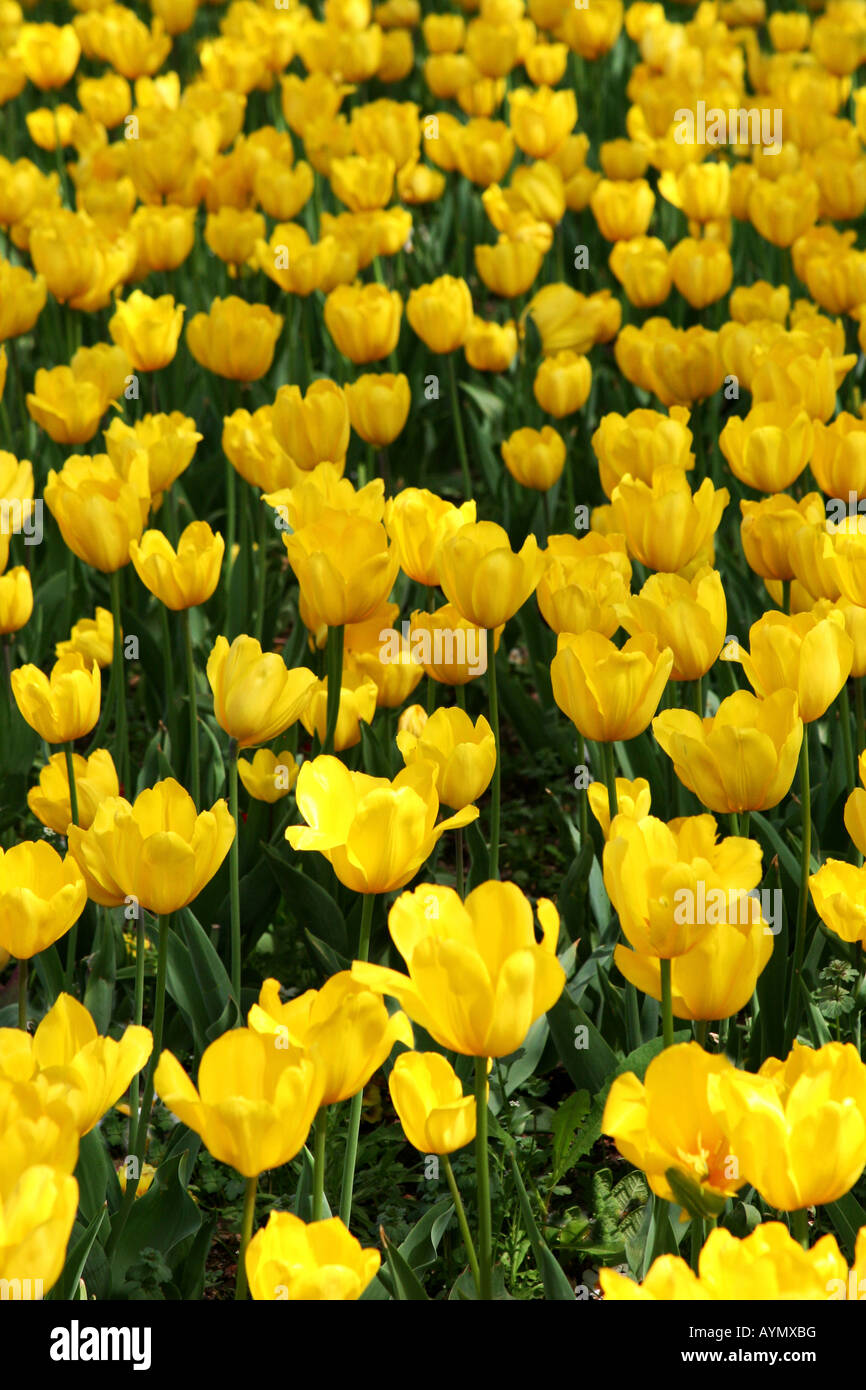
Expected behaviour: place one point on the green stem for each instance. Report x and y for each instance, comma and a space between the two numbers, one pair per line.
667, 1004
23, 970
610, 779
351, 1154
701, 1032
168, 672
235, 878
697, 1241
458, 850
138, 1016
845, 717
800, 1227
458, 426
860, 718
493, 870
261, 570
138, 1148
699, 697
803, 905
786, 596
482, 1178
231, 511
461, 1221
120, 730
241, 1286
320, 1132
194, 752
72, 938
334, 658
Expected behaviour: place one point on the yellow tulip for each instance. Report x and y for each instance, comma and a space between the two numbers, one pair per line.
16, 600
147, 329
742, 758
417, 521
478, 978
481, 575
62, 706
799, 1125
256, 697
364, 321
183, 578
609, 693
269, 776
465, 754
95, 779
41, 896
378, 406
358, 700
535, 458
375, 833
313, 428
769, 447
36, 1220
633, 799
343, 1027
234, 339
343, 564
322, 1262
665, 524
689, 616
99, 512
92, 638
436, 1116
562, 383
811, 656
157, 850
716, 977
255, 1101
441, 313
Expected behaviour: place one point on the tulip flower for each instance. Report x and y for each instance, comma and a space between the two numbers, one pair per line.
774, 1119
450, 649
689, 616
483, 578
92, 638
541, 119
343, 564
769, 447
716, 977
256, 697
808, 655
417, 521
62, 706
535, 458
665, 524
642, 266
255, 1101
378, 406
234, 339
583, 581
562, 383
312, 428
743, 758
16, 600
839, 894
270, 776
147, 329
357, 704
157, 849
766, 1265
609, 693
167, 441
491, 347
633, 799
322, 1262
509, 268
464, 753
666, 1122
702, 270
41, 896
68, 1053
622, 209
95, 779
183, 578
781, 536
375, 834
364, 321
436, 1116
99, 512
36, 1218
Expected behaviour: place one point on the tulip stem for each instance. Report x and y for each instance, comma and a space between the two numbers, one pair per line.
493, 871
72, 938
786, 596
859, 716
195, 758
120, 731
351, 1154
803, 904
845, 716
143, 1118
168, 672
231, 508
458, 426
482, 1178
701, 1032
699, 697
667, 1004
334, 659
458, 850
320, 1131
800, 1227
235, 878
610, 779
461, 1221
138, 1012
261, 571
241, 1285
23, 967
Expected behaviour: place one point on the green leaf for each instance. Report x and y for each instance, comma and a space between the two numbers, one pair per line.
66, 1287
160, 1220
569, 1117
307, 903
849, 1218
587, 1058
407, 1285
556, 1286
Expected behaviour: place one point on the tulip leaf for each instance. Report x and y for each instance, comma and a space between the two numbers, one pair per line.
407, 1285
849, 1218
96, 1176
99, 990
556, 1286
308, 903
786, 855
163, 1218
303, 1204
420, 1246
587, 1058
77, 1256
698, 1201
197, 981
817, 1023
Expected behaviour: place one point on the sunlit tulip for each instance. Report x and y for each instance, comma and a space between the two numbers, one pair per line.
689, 616
417, 522
95, 779
809, 655
375, 833
436, 1116
16, 600
269, 776
183, 578
254, 1104
343, 1027
158, 850
562, 383
450, 649
343, 564
665, 524
641, 443
465, 754
609, 693
62, 706
633, 799
256, 696
321, 1262
775, 1117
92, 638
234, 339
478, 977
482, 576
147, 329
37, 1214
168, 442
99, 512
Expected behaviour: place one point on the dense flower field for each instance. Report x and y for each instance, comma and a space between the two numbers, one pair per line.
433, 607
